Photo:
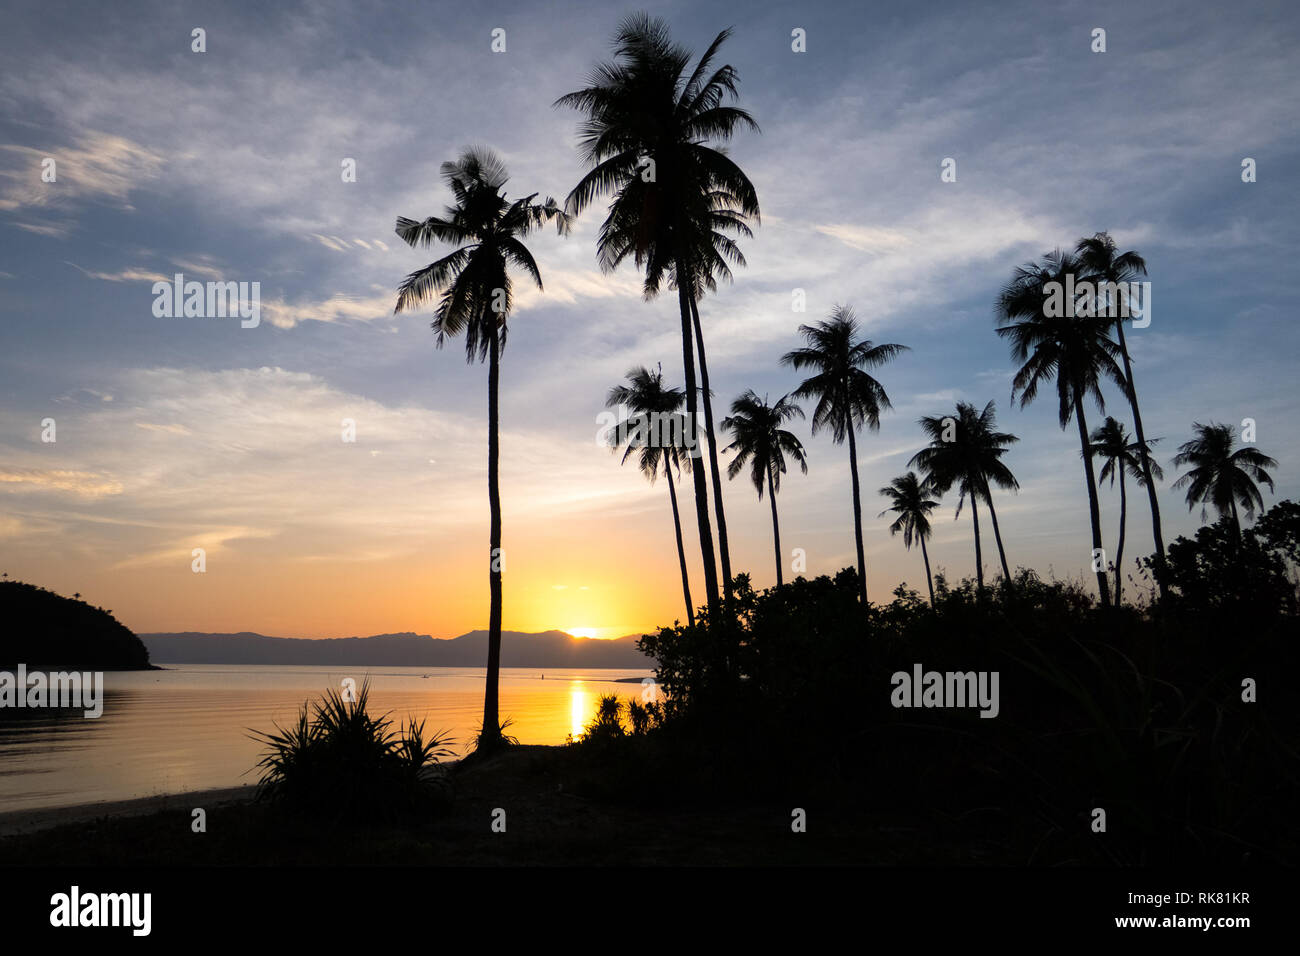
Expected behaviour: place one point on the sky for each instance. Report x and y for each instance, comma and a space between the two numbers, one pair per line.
179, 433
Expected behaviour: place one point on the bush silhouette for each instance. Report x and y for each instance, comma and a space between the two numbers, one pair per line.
342, 765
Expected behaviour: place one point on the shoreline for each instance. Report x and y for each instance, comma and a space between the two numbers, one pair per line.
35, 819
20, 822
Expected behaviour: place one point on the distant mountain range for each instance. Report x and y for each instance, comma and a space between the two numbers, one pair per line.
554, 649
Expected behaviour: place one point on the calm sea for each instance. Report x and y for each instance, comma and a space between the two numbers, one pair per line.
186, 728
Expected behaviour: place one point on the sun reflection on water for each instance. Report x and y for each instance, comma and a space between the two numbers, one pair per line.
578, 708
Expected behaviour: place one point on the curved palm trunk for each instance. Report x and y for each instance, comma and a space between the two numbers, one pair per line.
857, 513
697, 466
1094, 510
1152, 497
491, 737
929, 581
724, 552
681, 551
776, 527
1119, 551
979, 554
997, 534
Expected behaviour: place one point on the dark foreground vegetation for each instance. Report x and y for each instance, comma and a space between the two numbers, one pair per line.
558, 812
339, 764
1178, 719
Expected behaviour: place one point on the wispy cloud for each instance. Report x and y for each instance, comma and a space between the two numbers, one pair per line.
130, 274
95, 166
85, 484
339, 307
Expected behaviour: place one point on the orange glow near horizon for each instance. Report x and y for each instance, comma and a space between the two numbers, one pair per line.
552, 582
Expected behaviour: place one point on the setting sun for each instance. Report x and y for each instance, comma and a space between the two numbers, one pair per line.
581, 631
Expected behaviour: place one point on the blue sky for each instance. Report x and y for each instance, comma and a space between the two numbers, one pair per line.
182, 433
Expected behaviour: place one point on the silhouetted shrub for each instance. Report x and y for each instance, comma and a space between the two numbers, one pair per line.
1142, 712
343, 765
1253, 573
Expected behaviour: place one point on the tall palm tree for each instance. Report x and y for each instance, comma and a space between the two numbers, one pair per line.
913, 504
651, 138
649, 400
760, 440
1221, 476
474, 295
709, 255
847, 396
1121, 456
1074, 351
966, 450
1105, 263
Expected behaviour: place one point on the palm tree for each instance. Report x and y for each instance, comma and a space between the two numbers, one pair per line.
709, 254
473, 290
847, 396
913, 504
647, 139
650, 401
1220, 476
966, 450
760, 440
1104, 263
714, 249
1075, 351
1121, 456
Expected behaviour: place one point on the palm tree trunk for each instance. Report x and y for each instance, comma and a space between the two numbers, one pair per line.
928, 580
1094, 510
979, 555
776, 527
997, 535
1152, 497
697, 466
857, 514
724, 552
491, 736
681, 550
1236, 519
1119, 552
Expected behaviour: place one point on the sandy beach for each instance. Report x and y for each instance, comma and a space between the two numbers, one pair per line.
15, 822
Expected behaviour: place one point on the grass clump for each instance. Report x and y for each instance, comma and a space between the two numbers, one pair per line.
339, 763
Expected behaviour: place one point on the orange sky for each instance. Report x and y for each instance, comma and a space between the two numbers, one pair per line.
337, 598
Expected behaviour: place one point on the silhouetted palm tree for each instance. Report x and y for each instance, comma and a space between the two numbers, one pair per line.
913, 504
714, 251
473, 288
1104, 263
1221, 476
761, 441
847, 397
1075, 351
647, 138
1121, 456
965, 450
709, 255
656, 406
